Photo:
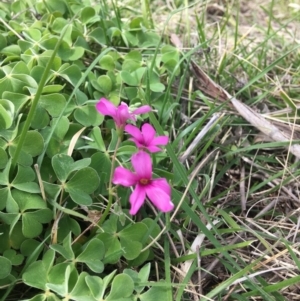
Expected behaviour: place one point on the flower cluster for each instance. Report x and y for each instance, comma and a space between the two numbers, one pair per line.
157, 190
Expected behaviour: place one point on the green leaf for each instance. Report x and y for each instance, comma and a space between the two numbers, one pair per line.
5, 267
72, 74
52, 89
62, 127
28, 201
58, 278
56, 6
59, 24
25, 174
81, 291
3, 158
87, 15
107, 63
33, 144
6, 113
29, 246
36, 275
67, 225
54, 103
80, 197
40, 118
88, 116
96, 286
102, 164
157, 87
32, 222
132, 249
122, 287
85, 179
92, 255
129, 79
62, 166
135, 232
98, 35
155, 293
105, 84
18, 99
66, 249
97, 140
13, 256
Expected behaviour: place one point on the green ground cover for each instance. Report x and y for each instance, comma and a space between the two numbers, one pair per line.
220, 83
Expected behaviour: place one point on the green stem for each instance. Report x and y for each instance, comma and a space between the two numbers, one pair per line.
110, 190
35, 102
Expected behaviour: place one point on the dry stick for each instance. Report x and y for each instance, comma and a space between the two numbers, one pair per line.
208, 86
38, 174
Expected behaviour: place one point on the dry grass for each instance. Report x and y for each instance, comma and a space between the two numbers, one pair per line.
262, 191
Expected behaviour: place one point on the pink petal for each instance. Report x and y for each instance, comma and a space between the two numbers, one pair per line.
163, 184
122, 115
105, 107
153, 148
134, 132
159, 193
124, 177
142, 110
160, 140
137, 198
148, 133
142, 165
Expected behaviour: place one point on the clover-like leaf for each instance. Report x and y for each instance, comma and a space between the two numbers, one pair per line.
36, 275
113, 248
72, 74
18, 99
98, 35
92, 254
97, 141
155, 293
81, 291
88, 116
3, 158
129, 79
63, 165
24, 180
88, 15
79, 197
66, 249
121, 288
107, 63
32, 222
5, 267
33, 144
58, 278
131, 238
28, 201
85, 179
53, 103
40, 118
132, 249
6, 113
104, 83
98, 286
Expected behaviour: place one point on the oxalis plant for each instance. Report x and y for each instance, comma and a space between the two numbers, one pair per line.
71, 226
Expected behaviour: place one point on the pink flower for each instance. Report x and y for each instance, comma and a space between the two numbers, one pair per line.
157, 190
145, 139
121, 113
